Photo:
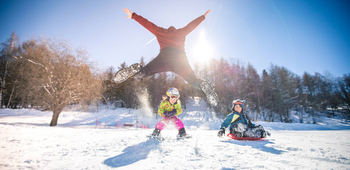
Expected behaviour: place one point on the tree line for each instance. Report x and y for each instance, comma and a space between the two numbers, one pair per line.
271, 96
48, 75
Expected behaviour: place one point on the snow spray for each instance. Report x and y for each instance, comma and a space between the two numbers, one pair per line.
145, 105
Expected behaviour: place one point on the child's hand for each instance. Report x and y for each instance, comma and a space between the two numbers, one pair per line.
221, 132
170, 113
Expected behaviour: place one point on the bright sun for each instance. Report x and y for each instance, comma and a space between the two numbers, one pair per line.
203, 50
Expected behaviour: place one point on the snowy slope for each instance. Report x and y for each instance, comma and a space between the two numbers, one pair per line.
27, 142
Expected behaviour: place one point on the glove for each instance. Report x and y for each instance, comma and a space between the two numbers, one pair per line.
221, 132
250, 124
170, 113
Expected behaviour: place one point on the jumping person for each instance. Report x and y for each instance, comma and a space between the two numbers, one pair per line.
172, 56
240, 125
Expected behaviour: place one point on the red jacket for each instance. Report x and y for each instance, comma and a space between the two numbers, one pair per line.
170, 37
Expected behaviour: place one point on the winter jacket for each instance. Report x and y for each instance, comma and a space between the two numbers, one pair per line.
235, 118
170, 37
166, 106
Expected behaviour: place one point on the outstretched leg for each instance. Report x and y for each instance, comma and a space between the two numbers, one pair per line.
175, 60
157, 65
169, 59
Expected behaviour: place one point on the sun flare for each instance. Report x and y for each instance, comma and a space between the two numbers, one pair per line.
203, 51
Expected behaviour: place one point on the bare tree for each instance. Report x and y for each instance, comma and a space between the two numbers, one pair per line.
282, 91
57, 76
311, 91
7, 56
253, 91
343, 92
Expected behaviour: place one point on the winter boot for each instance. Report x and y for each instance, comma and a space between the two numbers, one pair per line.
239, 134
156, 132
139, 75
268, 133
212, 97
182, 132
265, 133
124, 74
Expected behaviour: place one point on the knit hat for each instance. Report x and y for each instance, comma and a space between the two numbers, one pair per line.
237, 102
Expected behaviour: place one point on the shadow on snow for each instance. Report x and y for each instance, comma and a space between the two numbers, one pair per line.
132, 154
257, 145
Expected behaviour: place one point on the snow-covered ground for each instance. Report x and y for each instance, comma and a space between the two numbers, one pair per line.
27, 142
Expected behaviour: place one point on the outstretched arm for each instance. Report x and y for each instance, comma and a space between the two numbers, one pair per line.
153, 28
192, 25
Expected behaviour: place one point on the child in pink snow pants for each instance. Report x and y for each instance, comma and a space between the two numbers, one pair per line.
166, 120
169, 108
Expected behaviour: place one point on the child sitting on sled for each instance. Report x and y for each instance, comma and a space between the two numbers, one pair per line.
240, 125
169, 108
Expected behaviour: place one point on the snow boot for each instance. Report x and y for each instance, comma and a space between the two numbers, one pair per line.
268, 133
265, 133
182, 132
156, 132
124, 74
212, 97
139, 75
239, 134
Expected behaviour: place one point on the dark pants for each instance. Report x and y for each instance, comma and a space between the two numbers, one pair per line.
174, 60
255, 131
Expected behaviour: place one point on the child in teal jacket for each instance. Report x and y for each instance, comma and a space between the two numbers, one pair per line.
239, 123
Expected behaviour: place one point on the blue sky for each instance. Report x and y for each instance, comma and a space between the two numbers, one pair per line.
303, 36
